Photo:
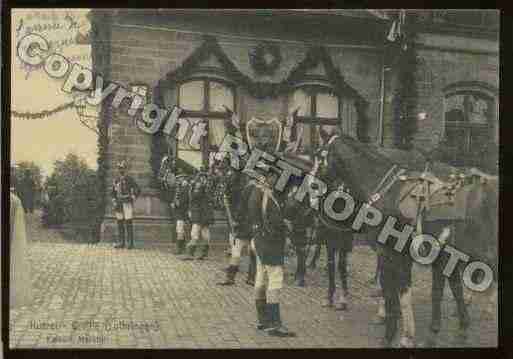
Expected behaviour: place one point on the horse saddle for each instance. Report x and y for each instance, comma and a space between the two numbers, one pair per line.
440, 200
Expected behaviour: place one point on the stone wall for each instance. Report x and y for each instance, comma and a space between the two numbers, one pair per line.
144, 55
444, 61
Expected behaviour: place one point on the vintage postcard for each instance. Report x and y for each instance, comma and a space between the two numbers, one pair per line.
223, 178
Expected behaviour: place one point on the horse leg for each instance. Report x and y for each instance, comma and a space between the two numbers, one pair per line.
315, 258
437, 292
331, 276
408, 319
390, 282
342, 269
301, 265
455, 282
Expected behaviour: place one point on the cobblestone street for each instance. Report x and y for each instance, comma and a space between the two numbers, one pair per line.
86, 291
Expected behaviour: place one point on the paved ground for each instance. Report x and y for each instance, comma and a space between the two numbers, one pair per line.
97, 297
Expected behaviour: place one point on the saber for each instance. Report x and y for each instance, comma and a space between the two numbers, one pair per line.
230, 220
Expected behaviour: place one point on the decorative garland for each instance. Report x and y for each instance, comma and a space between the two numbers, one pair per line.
406, 100
100, 54
42, 114
258, 89
259, 62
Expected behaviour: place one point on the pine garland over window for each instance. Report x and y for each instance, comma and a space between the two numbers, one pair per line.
258, 89
100, 28
406, 98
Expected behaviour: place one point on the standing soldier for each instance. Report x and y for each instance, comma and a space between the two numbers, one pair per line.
124, 193
178, 196
239, 233
180, 205
261, 212
200, 213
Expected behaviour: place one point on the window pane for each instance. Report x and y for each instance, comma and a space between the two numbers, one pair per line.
220, 95
300, 98
305, 146
327, 105
194, 158
192, 95
216, 132
184, 144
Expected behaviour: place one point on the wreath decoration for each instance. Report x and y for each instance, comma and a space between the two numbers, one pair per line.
265, 58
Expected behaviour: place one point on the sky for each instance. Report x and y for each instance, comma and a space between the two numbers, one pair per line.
46, 140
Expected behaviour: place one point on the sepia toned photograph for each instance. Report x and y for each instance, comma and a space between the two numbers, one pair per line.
253, 179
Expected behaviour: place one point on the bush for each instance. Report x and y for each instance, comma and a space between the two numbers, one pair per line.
73, 193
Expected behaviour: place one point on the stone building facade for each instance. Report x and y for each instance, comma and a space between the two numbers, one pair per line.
328, 64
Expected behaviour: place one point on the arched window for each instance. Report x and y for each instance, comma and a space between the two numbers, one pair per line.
204, 98
470, 123
313, 102
320, 105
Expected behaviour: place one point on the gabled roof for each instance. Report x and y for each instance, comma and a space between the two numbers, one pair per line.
314, 57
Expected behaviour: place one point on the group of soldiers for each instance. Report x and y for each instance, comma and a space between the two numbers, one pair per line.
261, 220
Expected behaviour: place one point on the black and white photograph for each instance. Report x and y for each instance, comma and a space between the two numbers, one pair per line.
253, 178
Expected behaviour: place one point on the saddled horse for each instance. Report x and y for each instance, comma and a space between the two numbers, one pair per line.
366, 172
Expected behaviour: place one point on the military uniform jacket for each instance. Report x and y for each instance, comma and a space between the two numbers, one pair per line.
233, 188
181, 198
200, 200
125, 190
265, 220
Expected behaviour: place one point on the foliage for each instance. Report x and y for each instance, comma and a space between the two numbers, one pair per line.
257, 89
73, 193
27, 179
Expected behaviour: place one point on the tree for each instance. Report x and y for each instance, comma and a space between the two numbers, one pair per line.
27, 180
73, 193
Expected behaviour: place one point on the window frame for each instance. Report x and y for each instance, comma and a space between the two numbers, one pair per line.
313, 90
465, 155
205, 113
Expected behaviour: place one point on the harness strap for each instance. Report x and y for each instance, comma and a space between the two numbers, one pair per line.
379, 194
384, 178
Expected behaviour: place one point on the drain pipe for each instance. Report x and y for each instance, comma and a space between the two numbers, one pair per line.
381, 101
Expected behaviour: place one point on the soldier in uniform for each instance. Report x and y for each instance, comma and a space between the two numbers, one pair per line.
262, 213
180, 205
124, 193
234, 186
200, 213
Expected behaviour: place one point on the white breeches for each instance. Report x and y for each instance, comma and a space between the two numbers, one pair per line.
199, 234
127, 212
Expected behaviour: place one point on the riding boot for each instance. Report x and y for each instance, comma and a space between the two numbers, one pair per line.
276, 327
191, 249
252, 269
436, 316
130, 230
204, 252
461, 306
262, 314
301, 266
179, 244
231, 272
121, 233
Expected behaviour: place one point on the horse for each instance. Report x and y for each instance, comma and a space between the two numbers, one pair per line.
347, 160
